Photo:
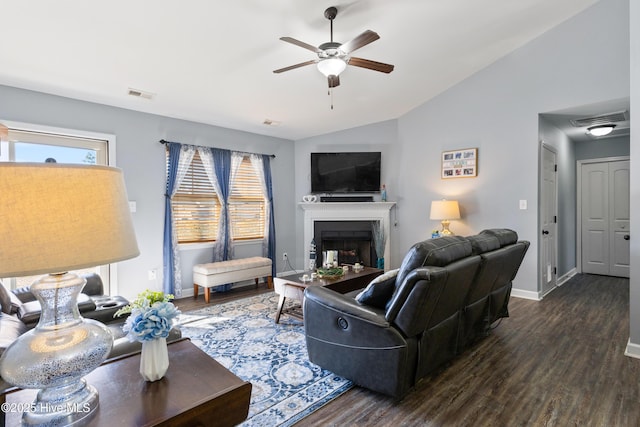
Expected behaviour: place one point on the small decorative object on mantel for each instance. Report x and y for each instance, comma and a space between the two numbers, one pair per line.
151, 319
383, 193
460, 163
310, 198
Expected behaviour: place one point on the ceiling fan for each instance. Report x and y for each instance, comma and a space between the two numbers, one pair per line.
334, 57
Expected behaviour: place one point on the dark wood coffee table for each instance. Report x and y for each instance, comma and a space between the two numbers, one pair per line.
293, 287
196, 390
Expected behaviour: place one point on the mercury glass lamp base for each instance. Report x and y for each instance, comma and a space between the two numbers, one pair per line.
445, 229
56, 354
78, 405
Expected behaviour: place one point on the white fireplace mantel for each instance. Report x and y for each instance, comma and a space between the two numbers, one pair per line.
347, 211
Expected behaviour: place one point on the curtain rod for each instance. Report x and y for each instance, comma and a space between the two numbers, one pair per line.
273, 156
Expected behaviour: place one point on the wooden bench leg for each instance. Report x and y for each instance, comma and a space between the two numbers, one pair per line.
195, 291
256, 282
207, 293
270, 282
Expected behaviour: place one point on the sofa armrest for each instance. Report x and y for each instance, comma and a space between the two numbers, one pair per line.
334, 318
345, 305
24, 294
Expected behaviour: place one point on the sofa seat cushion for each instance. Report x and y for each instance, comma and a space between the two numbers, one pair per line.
378, 292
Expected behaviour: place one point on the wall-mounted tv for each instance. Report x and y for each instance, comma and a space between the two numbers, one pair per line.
348, 172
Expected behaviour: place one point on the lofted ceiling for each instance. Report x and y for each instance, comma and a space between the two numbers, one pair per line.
212, 62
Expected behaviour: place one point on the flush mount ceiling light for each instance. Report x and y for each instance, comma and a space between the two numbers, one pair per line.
600, 130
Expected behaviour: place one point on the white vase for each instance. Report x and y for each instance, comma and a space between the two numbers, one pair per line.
154, 359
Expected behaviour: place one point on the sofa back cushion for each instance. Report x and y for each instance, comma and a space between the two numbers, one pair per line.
435, 252
481, 243
5, 299
504, 235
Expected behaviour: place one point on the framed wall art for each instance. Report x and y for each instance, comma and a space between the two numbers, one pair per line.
460, 163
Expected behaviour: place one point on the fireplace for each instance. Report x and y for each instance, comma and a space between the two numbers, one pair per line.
352, 239
348, 212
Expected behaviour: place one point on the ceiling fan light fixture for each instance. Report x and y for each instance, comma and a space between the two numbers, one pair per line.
600, 130
331, 66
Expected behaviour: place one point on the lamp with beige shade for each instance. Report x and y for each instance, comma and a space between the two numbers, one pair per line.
445, 210
55, 218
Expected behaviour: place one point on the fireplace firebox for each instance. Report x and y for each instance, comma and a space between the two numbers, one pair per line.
352, 239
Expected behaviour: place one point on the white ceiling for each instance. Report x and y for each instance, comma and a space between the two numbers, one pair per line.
212, 61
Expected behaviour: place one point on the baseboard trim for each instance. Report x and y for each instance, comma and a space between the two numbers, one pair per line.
286, 273
632, 350
521, 293
566, 277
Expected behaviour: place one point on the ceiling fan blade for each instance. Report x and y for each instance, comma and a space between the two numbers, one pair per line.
292, 67
371, 65
361, 40
301, 44
334, 81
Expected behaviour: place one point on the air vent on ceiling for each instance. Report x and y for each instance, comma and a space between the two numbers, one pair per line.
620, 116
140, 93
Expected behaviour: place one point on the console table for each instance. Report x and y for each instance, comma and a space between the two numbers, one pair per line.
196, 390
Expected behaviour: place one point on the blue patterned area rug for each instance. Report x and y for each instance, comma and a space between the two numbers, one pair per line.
243, 336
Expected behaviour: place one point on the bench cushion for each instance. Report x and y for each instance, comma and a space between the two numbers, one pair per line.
231, 265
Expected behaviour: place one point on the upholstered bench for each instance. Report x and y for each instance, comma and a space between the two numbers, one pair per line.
223, 272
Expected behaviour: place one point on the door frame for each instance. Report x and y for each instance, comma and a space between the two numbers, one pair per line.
543, 145
579, 164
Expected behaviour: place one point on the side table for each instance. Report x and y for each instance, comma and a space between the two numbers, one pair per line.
196, 390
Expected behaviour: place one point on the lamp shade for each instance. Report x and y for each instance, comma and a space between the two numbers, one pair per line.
58, 217
331, 66
444, 209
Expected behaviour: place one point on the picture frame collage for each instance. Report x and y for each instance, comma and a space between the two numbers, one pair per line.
460, 163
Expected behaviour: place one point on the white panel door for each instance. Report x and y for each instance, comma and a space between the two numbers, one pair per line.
619, 214
548, 220
595, 218
605, 218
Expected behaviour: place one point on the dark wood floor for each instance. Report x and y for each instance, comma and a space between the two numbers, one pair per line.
557, 362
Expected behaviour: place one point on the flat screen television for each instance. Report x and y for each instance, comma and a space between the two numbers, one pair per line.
348, 172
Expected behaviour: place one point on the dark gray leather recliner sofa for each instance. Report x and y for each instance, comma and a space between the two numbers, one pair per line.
447, 293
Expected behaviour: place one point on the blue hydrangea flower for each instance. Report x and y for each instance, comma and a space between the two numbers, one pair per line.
150, 322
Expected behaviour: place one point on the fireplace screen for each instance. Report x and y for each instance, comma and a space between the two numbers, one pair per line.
353, 241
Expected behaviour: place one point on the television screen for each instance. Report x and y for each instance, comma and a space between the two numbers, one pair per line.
345, 172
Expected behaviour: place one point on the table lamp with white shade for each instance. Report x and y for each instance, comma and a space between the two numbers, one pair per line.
55, 218
445, 210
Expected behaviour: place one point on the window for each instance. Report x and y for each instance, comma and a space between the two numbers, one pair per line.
32, 143
196, 207
246, 204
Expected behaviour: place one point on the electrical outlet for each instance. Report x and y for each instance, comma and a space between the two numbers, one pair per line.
152, 274
284, 256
